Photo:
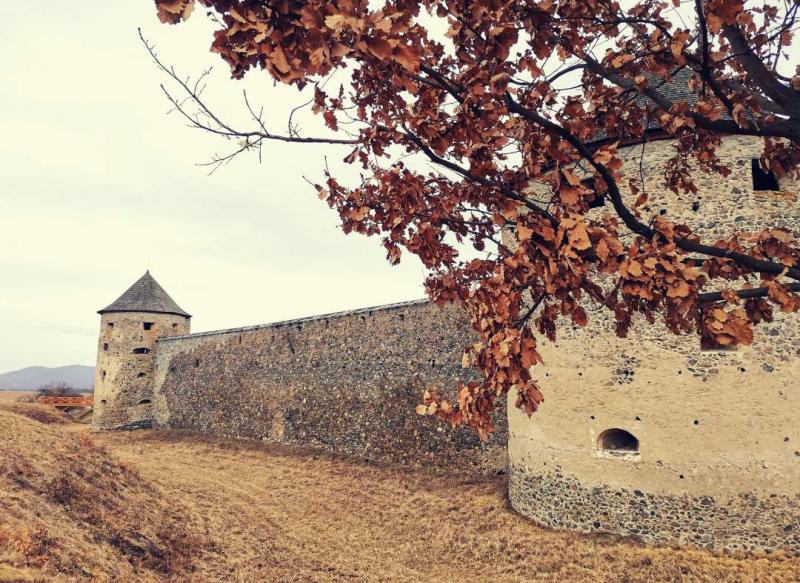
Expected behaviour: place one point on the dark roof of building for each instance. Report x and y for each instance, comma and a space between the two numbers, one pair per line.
676, 89
146, 295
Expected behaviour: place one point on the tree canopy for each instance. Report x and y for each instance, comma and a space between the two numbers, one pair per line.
496, 95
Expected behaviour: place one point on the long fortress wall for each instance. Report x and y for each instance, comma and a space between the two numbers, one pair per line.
347, 382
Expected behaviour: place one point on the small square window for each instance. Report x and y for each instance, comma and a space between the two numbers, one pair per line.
196, 362
105, 347
148, 325
763, 179
111, 324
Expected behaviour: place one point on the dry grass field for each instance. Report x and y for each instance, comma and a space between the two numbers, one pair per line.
151, 506
14, 396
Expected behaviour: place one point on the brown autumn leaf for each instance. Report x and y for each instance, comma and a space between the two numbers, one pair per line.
451, 155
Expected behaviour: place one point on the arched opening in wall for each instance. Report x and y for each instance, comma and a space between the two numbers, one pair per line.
141, 351
105, 346
618, 442
103, 402
145, 402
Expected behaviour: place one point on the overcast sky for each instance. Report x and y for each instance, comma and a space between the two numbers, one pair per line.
99, 184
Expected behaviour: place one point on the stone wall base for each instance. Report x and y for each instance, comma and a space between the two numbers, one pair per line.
746, 522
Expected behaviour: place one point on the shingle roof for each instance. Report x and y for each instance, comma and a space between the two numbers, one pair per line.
145, 296
676, 90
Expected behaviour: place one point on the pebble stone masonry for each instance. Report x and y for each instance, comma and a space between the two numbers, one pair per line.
346, 382
647, 436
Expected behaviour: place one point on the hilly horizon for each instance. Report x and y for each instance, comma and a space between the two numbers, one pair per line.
30, 378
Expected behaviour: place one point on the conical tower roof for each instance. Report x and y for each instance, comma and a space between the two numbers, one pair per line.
146, 295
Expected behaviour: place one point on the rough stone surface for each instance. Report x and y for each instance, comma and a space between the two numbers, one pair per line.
123, 385
348, 383
743, 522
718, 464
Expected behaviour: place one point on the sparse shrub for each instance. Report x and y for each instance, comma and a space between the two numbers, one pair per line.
169, 552
179, 546
64, 489
57, 390
17, 468
32, 543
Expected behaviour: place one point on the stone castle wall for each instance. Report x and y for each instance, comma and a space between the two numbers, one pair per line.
718, 464
718, 458
123, 388
345, 382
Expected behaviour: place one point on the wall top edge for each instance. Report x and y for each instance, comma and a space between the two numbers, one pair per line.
306, 319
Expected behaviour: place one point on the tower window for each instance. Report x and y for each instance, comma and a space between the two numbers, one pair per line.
763, 179
599, 199
618, 442
111, 324
141, 351
196, 362
174, 324
102, 401
104, 374
105, 346
148, 325
145, 402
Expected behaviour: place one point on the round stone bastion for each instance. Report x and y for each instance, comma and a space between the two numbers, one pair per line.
652, 436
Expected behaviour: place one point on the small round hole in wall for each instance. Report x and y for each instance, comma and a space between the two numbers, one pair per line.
696, 422
618, 442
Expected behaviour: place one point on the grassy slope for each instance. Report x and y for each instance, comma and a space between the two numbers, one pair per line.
206, 509
70, 511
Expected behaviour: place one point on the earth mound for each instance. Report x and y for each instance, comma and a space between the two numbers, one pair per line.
70, 510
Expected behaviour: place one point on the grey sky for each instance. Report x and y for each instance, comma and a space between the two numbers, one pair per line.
97, 184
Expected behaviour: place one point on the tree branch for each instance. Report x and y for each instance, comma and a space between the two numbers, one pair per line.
630, 220
784, 96
226, 129
756, 292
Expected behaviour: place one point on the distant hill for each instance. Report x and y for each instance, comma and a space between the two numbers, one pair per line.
33, 377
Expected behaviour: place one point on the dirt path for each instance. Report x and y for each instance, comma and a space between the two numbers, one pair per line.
276, 514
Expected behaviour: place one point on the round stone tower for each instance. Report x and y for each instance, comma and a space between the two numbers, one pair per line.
655, 436
129, 328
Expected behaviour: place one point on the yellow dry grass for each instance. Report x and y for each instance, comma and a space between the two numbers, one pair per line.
12, 396
224, 510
